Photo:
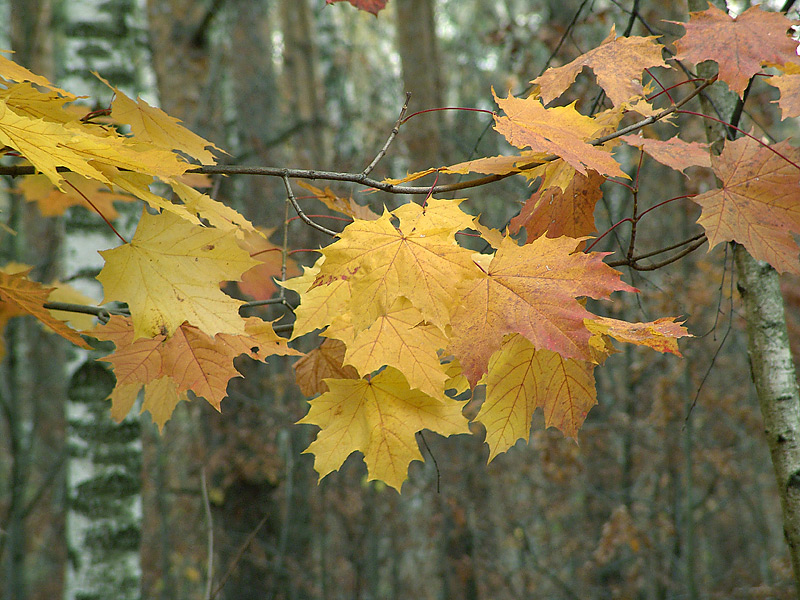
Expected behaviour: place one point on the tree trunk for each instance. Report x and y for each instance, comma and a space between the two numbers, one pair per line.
771, 365
103, 487
416, 43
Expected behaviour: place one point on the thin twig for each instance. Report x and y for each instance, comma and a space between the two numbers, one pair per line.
239, 553
672, 259
210, 526
299, 210
392, 135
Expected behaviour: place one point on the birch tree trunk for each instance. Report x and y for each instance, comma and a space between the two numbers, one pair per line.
771, 365
104, 513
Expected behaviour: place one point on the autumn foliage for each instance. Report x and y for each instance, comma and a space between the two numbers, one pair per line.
413, 320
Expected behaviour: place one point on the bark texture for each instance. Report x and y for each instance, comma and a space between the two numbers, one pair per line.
774, 376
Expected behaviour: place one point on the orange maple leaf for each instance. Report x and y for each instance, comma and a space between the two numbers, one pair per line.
789, 86
21, 296
259, 281
522, 379
740, 45
324, 362
758, 204
561, 131
190, 359
617, 62
370, 6
52, 202
379, 418
345, 206
531, 290
555, 212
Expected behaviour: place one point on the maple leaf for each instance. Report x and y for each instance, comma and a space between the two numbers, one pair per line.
53, 202
344, 206
660, 334
21, 296
11, 71
555, 212
24, 99
521, 379
419, 259
531, 290
379, 418
216, 213
740, 46
617, 63
324, 362
789, 86
190, 359
674, 153
562, 131
320, 305
399, 339
258, 282
49, 145
758, 204
154, 126
370, 6
170, 273
138, 185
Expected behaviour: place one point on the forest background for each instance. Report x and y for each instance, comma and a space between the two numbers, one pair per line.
670, 493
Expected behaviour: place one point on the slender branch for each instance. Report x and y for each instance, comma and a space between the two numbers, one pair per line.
210, 526
238, 557
299, 210
392, 135
672, 259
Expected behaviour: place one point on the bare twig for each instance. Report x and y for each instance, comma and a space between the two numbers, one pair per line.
392, 135
300, 213
239, 553
210, 526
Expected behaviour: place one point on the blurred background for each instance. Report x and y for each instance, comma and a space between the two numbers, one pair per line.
670, 491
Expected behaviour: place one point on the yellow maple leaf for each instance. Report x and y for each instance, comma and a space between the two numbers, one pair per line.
170, 273
216, 213
521, 379
379, 418
49, 145
52, 202
418, 259
399, 339
320, 305
152, 125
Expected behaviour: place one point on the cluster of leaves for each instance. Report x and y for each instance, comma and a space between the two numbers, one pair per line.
412, 319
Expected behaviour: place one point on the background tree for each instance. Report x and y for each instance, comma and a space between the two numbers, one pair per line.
641, 496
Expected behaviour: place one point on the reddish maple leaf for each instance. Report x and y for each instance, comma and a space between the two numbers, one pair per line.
370, 6
531, 290
740, 46
674, 153
758, 204
558, 213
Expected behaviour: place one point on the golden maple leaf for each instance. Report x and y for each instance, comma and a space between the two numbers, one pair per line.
521, 379
379, 418
170, 273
